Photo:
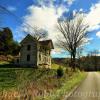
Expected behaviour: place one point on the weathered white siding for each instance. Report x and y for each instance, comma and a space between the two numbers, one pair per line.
44, 58
32, 52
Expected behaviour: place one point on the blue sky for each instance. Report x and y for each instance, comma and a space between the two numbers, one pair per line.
45, 13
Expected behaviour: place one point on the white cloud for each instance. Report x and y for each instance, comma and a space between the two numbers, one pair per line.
59, 53
70, 2
95, 27
61, 9
93, 17
45, 17
81, 10
11, 8
98, 34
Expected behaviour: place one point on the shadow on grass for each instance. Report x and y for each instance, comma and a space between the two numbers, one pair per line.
14, 66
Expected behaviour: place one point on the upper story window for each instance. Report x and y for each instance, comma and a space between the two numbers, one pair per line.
28, 47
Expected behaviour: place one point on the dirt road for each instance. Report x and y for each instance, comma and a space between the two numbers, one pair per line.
89, 89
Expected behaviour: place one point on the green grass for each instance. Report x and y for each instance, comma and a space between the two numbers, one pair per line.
19, 77
3, 62
28, 81
54, 66
8, 78
24, 79
67, 86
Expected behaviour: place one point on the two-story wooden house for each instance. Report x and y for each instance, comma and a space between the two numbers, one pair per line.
35, 53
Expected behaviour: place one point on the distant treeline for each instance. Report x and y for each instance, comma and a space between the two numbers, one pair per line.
88, 63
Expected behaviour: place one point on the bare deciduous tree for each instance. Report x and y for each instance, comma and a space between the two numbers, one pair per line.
40, 33
73, 35
37, 33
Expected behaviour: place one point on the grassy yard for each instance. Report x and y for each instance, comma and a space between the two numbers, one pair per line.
68, 85
35, 84
3, 62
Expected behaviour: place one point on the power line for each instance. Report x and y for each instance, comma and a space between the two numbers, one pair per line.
2, 8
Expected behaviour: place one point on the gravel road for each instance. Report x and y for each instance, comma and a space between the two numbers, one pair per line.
89, 89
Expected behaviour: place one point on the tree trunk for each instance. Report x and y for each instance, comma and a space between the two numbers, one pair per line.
71, 61
74, 61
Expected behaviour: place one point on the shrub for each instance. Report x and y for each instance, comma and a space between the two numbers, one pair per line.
60, 72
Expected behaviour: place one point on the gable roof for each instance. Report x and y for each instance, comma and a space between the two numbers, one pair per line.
47, 42
43, 42
28, 37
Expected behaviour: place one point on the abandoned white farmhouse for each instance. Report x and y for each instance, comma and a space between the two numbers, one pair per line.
35, 53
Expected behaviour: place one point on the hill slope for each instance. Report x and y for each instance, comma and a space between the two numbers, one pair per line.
34, 84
